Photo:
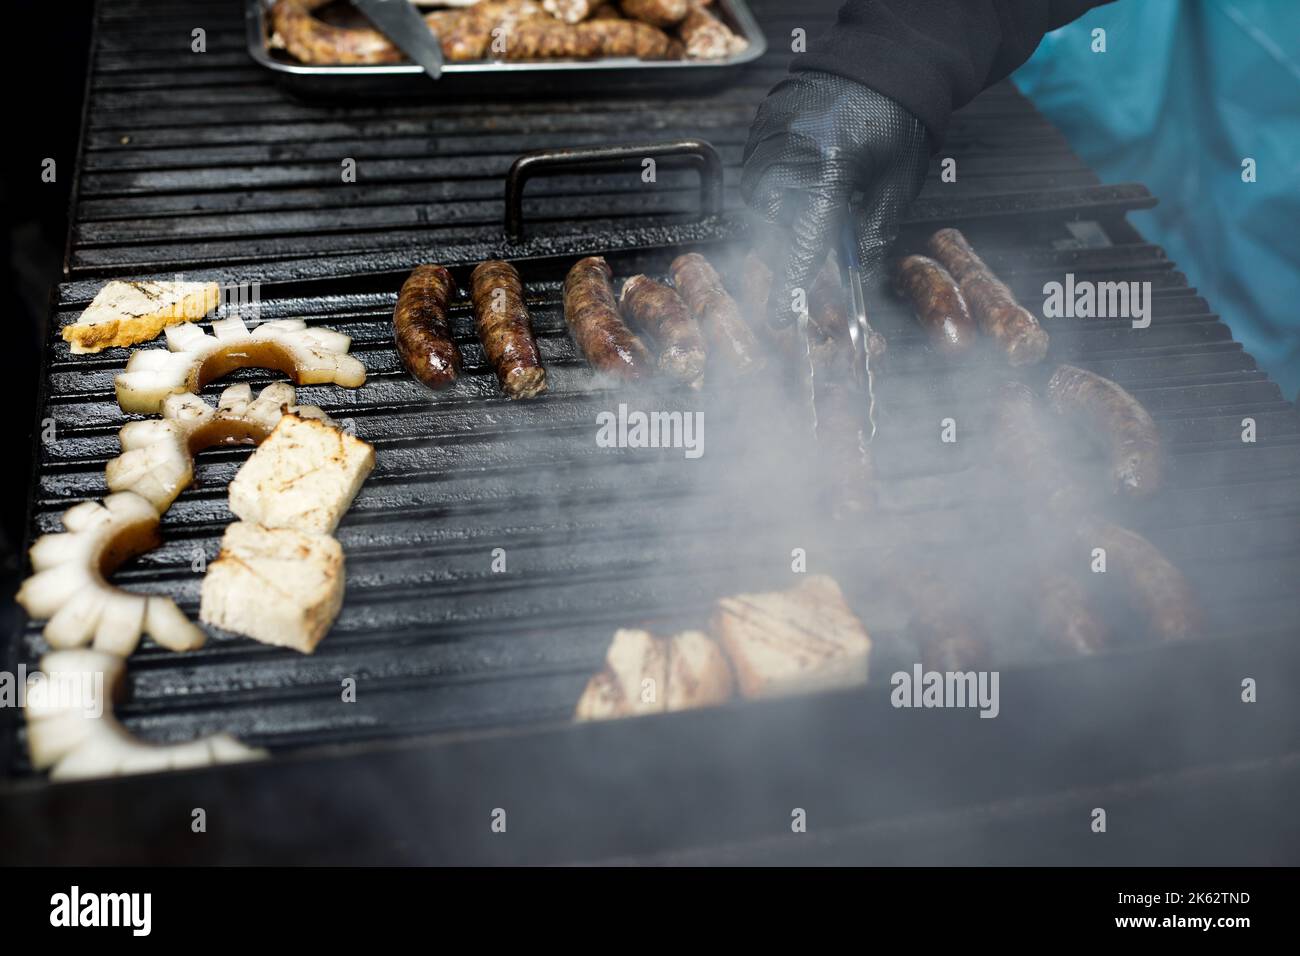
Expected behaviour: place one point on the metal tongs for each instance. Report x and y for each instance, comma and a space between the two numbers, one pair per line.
859, 335
859, 327
401, 22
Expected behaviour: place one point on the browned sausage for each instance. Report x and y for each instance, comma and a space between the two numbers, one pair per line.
1025, 450
755, 287
940, 307
659, 13
1114, 418
543, 38
999, 315
504, 328
422, 329
1156, 589
828, 312
731, 340
1153, 586
706, 37
590, 310
657, 311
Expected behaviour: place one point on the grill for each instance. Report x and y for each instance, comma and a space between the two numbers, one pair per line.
198, 164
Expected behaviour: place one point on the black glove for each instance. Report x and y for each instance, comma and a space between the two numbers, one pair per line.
817, 143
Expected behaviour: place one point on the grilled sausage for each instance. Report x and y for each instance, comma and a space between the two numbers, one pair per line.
658, 13
756, 287
314, 41
659, 312
545, 38
463, 33
1025, 450
570, 11
589, 309
1156, 589
731, 341
421, 327
706, 37
1064, 616
999, 315
828, 313
503, 326
1114, 418
940, 307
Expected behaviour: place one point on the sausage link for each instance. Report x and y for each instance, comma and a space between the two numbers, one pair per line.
730, 338
706, 37
1114, 418
1025, 450
545, 38
503, 326
999, 315
1064, 615
464, 34
828, 313
1156, 589
940, 307
570, 11
658, 311
590, 310
658, 13
422, 329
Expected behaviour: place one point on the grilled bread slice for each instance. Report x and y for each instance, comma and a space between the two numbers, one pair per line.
275, 585
645, 674
632, 682
698, 672
801, 640
125, 313
304, 476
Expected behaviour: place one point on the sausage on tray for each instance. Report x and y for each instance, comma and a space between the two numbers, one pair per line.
659, 13
731, 340
422, 329
590, 310
503, 326
543, 38
659, 312
940, 307
570, 11
314, 41
999, 315
1114, 418
706, 37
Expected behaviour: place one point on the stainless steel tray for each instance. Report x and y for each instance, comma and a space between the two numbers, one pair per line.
541, 77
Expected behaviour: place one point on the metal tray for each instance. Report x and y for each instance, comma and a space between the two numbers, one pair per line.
542, 77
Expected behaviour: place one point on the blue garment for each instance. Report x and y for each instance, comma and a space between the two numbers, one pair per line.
1185, 91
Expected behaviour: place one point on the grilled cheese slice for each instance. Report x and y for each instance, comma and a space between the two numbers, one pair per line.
304, 476
125, 313
801, 640
275, 585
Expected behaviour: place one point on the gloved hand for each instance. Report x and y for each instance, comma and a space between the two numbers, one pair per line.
818, 143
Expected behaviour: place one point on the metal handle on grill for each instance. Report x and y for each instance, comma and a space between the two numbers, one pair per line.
701, 155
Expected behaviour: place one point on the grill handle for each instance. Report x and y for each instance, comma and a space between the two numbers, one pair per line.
700, 154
